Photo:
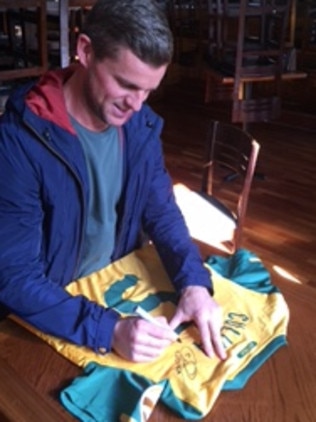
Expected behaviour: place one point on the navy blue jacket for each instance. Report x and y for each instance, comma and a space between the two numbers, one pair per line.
43, 203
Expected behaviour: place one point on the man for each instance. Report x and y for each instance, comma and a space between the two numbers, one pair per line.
82, 175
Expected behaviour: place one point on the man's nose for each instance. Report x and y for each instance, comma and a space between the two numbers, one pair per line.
136, 99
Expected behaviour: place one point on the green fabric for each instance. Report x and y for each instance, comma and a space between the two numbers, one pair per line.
114, 297
105, 394
245, 269
104, 159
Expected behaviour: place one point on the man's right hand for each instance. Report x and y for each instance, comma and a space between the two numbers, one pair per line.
138, 340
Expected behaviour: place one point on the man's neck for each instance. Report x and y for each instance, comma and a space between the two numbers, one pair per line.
76, 104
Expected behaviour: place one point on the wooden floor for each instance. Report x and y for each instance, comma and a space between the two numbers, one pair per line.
281, 219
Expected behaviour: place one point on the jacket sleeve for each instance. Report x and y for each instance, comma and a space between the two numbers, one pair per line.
25, 289
165, 225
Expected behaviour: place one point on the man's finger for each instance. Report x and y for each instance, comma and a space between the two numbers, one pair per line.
217, 342
206, 338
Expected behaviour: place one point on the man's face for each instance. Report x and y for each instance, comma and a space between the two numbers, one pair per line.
115, 88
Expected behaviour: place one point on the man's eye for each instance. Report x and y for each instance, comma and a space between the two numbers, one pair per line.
126, 85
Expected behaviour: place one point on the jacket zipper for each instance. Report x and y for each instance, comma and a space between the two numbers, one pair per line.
53, 151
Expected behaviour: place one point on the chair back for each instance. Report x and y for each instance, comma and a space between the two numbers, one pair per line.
230, 160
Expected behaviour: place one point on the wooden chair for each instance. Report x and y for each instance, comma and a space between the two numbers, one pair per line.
249, 56
216, 214
27, 60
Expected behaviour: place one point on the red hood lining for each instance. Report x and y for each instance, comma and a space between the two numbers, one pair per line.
46, 98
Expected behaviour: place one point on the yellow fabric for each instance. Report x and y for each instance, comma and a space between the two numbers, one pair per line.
252, 320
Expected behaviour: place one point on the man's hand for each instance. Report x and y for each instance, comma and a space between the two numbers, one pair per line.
196, 304
138, 340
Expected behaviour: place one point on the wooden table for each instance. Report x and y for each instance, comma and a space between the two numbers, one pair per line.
282, 390
213, 76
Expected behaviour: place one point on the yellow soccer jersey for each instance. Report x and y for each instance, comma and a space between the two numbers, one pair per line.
183, 378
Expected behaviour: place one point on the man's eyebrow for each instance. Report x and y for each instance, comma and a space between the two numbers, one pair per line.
127, 83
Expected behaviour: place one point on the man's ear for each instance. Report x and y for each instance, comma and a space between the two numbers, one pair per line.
84, 49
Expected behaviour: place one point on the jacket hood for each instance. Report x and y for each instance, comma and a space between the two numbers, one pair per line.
46, 98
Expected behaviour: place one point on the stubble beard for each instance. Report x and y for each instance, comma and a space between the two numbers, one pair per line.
94, 108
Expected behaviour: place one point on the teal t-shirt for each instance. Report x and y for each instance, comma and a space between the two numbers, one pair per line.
104, 158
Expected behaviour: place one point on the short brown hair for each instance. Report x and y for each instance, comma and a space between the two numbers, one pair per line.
139, 25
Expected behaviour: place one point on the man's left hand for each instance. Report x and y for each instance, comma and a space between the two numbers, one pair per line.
197, 305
